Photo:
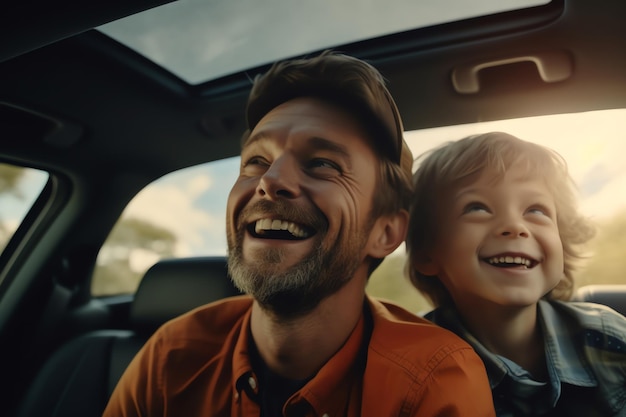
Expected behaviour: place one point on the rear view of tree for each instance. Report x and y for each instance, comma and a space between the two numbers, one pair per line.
10, 177
133, 246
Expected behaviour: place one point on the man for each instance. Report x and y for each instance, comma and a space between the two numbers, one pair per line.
321, 199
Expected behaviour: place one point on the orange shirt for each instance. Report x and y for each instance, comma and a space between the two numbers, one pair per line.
199, 365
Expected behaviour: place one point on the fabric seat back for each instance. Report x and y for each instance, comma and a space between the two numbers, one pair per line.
78, 378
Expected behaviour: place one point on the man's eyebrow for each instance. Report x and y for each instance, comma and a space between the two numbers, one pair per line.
316, 142
255, 138
328, 145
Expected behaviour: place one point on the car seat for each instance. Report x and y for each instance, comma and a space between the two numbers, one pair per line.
613, 296
80, 376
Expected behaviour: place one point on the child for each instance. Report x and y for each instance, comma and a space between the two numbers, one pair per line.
493, 238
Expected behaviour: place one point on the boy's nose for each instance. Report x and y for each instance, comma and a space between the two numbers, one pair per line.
513, 233
281, 180
513, 229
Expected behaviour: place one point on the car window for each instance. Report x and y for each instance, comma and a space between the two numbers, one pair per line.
246, 33
180, 215
183, 214
19, 188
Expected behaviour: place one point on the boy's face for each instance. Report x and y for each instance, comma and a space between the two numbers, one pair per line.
498, 240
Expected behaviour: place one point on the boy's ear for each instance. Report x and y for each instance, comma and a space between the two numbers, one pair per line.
387, 234
424, 264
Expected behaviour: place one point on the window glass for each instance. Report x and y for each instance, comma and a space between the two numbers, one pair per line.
247, 33
179, 215
19, 188
183, 214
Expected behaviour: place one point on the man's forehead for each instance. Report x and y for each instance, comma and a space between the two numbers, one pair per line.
313, 120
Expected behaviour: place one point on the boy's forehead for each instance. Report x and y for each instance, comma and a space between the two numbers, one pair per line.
489, 175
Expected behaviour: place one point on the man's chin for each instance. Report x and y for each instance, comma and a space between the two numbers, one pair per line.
276, 258
289, 304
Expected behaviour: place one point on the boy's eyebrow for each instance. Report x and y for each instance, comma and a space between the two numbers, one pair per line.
460, 192
531, 193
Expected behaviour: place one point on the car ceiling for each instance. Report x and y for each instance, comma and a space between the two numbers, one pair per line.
113, 109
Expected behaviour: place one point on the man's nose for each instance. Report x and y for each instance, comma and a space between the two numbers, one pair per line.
281, 180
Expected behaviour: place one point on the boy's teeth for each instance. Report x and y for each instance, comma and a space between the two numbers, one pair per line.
261, 226
509, 260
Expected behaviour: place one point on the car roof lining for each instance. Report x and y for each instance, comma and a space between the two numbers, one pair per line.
143, 108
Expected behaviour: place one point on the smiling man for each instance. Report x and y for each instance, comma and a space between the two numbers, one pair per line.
322, 197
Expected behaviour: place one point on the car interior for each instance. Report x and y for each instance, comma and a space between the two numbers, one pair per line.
90, 365
102, 121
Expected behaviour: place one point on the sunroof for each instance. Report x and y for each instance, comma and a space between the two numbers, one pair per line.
200, 40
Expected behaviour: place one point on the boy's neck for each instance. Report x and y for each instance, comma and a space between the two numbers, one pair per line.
514, 333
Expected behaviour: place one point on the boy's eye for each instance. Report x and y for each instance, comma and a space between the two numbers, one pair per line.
475, 207
539, 210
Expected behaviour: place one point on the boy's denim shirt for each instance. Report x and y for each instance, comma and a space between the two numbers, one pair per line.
585, 346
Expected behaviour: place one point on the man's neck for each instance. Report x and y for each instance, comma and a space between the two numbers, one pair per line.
296, 348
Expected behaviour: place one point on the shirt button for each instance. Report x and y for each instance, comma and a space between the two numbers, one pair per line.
325, 415
252, 383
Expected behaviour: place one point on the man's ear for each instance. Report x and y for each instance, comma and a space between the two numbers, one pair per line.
387, 234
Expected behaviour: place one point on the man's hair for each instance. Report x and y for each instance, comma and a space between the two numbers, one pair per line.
447, 166
360, 89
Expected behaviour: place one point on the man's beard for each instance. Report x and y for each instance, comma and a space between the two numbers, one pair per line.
299, 289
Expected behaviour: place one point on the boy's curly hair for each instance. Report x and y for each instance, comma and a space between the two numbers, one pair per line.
446, 166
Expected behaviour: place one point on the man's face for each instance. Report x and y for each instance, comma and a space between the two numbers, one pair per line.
298, 216
498, 241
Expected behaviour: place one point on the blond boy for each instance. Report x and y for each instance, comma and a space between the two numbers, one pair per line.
493, 239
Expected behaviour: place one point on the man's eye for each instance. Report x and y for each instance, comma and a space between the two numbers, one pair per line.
320, 163
255, 165
255, 160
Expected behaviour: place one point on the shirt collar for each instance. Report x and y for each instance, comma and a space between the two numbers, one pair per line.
335, 381
449, 318
565, 359
328, 392
565, 362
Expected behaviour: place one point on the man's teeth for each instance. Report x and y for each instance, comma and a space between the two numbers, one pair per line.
510, 260
264, 225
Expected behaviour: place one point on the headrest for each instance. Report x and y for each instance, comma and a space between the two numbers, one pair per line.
613, 296
172, 287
